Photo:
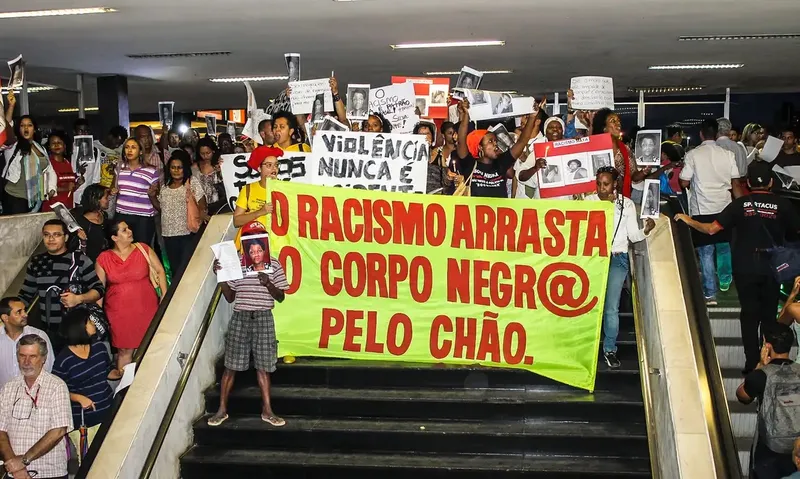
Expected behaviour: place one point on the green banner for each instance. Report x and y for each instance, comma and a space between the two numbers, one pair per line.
441, 279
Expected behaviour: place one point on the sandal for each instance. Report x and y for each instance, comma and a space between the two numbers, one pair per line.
273, 420
216, 419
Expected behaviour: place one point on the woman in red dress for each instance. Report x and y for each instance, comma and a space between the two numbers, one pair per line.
130, 301
57, 146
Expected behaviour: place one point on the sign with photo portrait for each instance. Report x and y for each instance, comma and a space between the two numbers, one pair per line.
468, 79
651, 201
17, 69
434, 89
304, 93
572, 164
486, 105
648, 148
84, 149
357, 101
292, 66
166, 111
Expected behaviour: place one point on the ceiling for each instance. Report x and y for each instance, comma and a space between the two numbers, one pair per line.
546, 44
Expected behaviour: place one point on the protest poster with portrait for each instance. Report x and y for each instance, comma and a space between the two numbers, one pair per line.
370, 161
433, 89
304, 94
572, 164
487, 105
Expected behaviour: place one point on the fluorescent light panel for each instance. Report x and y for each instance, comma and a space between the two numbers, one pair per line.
56, 13
761, 36
253, 79
665, 89
75, 110
487, 72
482, 43
709, 66
31, 89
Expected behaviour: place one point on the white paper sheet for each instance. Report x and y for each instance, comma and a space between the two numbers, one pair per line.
592, 93
305, 92
229, 261
771, 149
128, 373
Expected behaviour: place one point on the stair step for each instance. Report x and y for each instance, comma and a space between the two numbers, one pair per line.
322, 434
201, 462
487, 404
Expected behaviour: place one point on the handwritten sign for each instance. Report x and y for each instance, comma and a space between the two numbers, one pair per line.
435, 91
305, 92
236, 174
397, 103
592, 93
370, 161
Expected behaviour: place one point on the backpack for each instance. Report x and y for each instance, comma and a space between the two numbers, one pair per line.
779, 408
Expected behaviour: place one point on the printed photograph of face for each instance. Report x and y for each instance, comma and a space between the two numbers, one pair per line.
599, 161
648, 151
503, 105
421, 103
438, 95
576, 171
468, 81
651, 203
357, 106
255, 254
293, 67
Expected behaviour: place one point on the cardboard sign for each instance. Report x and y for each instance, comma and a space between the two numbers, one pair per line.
236, 174
434, 90
485, 105
397, 103
371, 161
592, 93
305, 92
572, 164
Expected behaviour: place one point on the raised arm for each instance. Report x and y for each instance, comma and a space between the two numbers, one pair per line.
463, 129
338, 104
527, 133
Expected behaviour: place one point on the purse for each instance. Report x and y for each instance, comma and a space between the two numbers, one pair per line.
784, 261
153, 274
465, 188
193, 217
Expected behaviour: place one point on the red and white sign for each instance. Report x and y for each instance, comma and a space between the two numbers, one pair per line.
434, 91
572, 164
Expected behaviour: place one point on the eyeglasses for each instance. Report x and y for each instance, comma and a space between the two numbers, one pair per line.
22, 408
52, 235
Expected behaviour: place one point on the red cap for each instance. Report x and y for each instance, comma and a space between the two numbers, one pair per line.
262, 153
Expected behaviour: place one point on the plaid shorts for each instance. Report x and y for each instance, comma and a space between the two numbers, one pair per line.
251, 331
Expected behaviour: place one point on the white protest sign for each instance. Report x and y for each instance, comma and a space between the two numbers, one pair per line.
370, 161
592, 93
236, 174
397, 103
305, 92
485, 105
772, 147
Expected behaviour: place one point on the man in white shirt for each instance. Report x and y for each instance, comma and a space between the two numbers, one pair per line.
724, 129
15, 325
710, 173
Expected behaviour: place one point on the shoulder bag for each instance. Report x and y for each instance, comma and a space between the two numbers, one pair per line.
153, 273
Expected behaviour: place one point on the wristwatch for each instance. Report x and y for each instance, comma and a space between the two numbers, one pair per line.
25, 461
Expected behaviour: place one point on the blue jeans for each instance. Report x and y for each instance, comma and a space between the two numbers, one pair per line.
617, 273
710, 271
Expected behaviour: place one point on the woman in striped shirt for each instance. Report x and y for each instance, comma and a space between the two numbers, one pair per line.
134, 182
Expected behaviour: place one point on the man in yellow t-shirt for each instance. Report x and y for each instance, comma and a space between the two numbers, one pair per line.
252, 204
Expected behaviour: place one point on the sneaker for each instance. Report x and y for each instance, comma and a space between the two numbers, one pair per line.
724, 287
611, 359
712, 301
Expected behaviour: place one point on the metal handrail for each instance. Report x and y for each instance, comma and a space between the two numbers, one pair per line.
175, 400
715, 402
644, 374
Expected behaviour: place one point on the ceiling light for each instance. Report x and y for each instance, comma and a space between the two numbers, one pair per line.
665, 89
484, 43
764, 36
487, 72
709, 66
139, 56
241, 79
75, 110
31, 89
56, 13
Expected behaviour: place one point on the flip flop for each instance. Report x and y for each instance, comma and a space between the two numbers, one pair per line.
273, 421
216, 420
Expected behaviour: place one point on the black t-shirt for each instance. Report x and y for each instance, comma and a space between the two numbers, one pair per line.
759, 220
95, 234
756, 381
489, 179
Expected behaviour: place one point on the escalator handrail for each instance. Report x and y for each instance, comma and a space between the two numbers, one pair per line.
723, 441
183, 380
138, 357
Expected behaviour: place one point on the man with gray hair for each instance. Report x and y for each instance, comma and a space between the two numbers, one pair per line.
724, 128
35, 415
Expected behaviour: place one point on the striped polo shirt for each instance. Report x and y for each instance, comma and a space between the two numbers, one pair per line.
252, 296
133, 185
87, 377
